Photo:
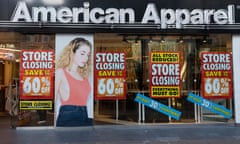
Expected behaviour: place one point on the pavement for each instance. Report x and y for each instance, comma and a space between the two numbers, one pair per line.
217, 133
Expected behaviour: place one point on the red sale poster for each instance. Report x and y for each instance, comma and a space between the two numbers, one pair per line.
216, 70
110, 75
36, 74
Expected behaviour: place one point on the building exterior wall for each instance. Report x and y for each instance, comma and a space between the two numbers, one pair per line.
235, 40
139, 23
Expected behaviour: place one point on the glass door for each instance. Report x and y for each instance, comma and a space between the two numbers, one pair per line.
189, 75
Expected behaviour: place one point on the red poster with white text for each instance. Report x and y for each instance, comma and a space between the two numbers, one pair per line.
216, 70
110, 75
36, 74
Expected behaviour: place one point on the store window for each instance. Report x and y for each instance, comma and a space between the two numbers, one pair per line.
138, 49
24, 112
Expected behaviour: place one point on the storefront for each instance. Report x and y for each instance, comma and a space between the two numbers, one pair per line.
119, 63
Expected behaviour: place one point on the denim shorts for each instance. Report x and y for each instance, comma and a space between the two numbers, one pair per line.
70, 115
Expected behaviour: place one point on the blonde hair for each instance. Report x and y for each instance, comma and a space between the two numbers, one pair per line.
65, 58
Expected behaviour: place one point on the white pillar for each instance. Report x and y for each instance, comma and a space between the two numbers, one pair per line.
236, 75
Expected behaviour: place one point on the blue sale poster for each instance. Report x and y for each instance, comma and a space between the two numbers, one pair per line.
155, 105
216, 108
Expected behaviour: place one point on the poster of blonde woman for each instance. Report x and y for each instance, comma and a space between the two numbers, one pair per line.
74, 80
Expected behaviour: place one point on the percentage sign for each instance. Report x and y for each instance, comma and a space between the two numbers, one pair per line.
119, 82
225, 86
45, 84
47, 81
224, 82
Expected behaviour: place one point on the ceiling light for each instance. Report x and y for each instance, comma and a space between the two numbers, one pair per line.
150, 39
162, 39
180, 40
204, 39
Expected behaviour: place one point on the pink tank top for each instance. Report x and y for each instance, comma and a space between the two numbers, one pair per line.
79, 91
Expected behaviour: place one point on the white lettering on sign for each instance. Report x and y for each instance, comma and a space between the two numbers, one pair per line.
110, 61
216, 58
165, 74
37, 56
71, 15
110, 57
37, 60
152, 14
218, 62
165, 69
180, 17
